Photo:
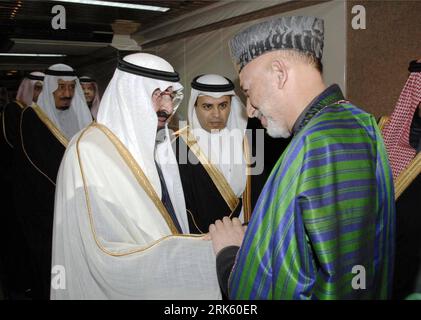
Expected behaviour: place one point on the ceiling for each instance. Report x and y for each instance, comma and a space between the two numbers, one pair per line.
31, 13
25, 27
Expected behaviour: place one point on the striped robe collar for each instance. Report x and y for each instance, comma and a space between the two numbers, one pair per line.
329, 96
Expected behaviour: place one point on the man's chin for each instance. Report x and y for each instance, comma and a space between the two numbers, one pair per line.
63, 107
277, 132
216, 127
161, 125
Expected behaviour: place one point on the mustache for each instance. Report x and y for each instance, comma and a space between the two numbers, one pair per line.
163, 114
65, 99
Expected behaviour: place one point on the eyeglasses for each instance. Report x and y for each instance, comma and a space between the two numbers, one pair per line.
175, 96
158, 94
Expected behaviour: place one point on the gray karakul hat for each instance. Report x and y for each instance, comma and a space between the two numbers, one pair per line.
305, 34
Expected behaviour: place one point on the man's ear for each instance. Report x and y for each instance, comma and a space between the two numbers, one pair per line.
280, 71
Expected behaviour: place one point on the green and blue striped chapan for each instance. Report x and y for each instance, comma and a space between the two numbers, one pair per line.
327, 206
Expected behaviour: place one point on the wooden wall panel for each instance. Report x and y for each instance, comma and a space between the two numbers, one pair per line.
378, 57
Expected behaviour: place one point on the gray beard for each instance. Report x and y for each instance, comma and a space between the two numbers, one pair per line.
160, 135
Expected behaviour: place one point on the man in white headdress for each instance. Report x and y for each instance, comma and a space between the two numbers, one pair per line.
28, 93
44, 132
211, 154
30, 88
63, 101
118, 221
91, 92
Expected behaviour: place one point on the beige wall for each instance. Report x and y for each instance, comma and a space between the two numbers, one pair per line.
370, 65
208, 52
378, 57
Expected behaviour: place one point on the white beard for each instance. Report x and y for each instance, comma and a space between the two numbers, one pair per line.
274, 128
277, 129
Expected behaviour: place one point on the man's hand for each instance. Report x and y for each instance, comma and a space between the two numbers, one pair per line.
226, 233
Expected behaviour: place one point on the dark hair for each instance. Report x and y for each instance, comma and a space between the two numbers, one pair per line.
319, 65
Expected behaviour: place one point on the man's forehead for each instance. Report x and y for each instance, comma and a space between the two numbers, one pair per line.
213, 99
87, 84
61, 81
170, 89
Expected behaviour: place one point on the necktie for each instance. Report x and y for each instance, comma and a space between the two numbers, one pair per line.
166, 200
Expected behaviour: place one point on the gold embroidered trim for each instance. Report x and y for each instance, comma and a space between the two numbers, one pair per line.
247, 210
20, 104
194, 221
217, 177
4, 124
382, 122
50, 125
26, 154
140, 177
4, 131
407, 176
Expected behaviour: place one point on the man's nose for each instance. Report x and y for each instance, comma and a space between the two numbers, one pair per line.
167, 104
68, 92
216, 113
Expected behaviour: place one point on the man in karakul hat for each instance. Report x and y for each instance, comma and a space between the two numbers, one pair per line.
323, 227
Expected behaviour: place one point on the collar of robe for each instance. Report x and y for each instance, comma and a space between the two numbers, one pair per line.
212, 87
146, 72
38, 78
60, 73
329, 96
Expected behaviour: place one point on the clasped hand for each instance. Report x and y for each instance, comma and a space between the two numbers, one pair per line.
226, 233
